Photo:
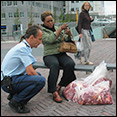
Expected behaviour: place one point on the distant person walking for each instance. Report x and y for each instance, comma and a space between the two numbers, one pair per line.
18, 78
84, 23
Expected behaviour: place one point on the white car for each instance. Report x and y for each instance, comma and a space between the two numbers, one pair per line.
102, 22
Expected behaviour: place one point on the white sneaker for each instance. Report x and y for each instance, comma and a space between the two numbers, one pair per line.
88, 63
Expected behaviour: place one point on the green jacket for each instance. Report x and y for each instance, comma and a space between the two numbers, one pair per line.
51, 44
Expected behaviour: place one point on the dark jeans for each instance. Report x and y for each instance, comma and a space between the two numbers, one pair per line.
25, 87
54, 62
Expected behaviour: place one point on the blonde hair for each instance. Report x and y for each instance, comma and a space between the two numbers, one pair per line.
45, 14
84, 4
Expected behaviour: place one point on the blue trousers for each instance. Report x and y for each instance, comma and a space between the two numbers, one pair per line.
25, 87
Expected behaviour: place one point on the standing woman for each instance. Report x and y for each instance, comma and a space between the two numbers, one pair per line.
84, 23
53, 58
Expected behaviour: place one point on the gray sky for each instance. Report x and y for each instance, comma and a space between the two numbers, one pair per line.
110, 7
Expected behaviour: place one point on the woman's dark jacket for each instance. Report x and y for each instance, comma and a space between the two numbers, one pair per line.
84, 21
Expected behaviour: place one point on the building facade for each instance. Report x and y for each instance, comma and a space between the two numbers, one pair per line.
71, 6
36, 8
9, 8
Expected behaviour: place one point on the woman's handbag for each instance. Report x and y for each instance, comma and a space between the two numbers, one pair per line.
92, 35
68, 46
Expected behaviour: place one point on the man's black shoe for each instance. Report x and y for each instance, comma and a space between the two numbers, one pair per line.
9, 96
18, 107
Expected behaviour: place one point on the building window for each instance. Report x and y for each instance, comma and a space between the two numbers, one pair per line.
29, 3
14, 2
49, 6
29, 14
33, 3
22, 2
92, 9
64, 10
77, 1
45, 6
17, 27
21, 14
16, 15
37, 15
3, 3
3, 15
9, 3
40, 4
36, 4
10, 15
72, 9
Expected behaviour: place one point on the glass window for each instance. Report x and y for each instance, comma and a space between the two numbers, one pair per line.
14, 2
33, 3
77, 1
21, 14
49, 6
39, 5
10, 15
45, 6
36, 4
22, 2
16, 15
9, 3
72, 9
3, 15
29, 14
3, 3
29, 2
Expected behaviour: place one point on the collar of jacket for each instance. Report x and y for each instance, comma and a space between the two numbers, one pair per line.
84, 10
52, 29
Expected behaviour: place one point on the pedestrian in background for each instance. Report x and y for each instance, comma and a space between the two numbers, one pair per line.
18, 77
53, 58
84, 24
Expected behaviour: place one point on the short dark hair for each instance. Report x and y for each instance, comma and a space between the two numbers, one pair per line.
32, 30
45, 14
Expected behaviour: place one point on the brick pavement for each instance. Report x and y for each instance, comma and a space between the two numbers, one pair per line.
43, 105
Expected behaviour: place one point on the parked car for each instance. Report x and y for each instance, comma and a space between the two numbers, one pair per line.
102, 22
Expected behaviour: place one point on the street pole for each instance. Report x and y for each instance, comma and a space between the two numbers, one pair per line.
52, 7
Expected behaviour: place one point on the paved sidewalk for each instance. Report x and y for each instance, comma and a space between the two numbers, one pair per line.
43, 105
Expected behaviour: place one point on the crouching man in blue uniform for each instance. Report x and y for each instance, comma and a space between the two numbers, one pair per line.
18, 78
